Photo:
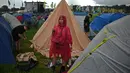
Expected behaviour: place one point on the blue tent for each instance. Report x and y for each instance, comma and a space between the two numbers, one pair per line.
5, 24
27, 16
80, 13
6, 55
100, 21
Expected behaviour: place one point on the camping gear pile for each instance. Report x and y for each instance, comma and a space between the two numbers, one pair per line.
26, 61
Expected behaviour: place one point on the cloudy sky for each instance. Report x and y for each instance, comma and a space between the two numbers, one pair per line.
112, 2
18, 3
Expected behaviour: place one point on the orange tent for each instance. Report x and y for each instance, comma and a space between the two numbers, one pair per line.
41, 40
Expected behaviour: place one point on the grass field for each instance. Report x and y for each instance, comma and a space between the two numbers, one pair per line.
42, 61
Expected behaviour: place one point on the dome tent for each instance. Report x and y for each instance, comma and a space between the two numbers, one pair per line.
108, 52
100, 21
6, 55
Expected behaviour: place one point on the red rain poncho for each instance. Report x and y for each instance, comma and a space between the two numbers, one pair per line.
60, 41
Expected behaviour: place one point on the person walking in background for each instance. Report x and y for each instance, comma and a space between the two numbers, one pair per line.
19, 33
61, 43
86, 23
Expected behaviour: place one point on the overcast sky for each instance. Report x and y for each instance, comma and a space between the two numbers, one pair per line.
18, 3
112, 2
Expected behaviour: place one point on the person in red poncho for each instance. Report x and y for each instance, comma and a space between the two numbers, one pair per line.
61, 43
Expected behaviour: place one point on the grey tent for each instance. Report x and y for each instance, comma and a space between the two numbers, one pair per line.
109, 51
80, 20
12, 20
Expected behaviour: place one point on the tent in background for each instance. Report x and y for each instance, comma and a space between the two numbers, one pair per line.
12, 20
17, 14
80, 20
100, 21
6, 55
20, 18
27, 17
108, 52
80, 13
41, 40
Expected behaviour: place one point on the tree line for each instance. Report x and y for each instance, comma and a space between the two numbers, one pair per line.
78, 8
5, 8
114, 8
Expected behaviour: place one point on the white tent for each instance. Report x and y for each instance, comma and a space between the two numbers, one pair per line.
41, 40
109, 51
14, 22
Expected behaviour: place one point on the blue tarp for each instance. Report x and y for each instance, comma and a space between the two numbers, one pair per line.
100, 21
80, 13
6, 55
116, 16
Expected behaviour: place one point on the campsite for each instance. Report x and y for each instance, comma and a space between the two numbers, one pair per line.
26, 38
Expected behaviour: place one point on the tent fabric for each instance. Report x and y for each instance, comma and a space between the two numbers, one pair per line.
80, 13
116, 16
5, 24
112, 56
17, 14
12, 20
6, 56
112, 16
100, 21
80, 20
41, 40
20, 18
106, 16
27, 16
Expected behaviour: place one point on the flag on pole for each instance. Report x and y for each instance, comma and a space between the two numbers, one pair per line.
55, 5
93, 9
32, 2
44, 4
8, 2
14, 5
87, 9
52, 5
22, 4
99, 10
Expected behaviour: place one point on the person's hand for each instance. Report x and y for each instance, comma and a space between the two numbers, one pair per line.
70, 46
86, 25
25, 38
